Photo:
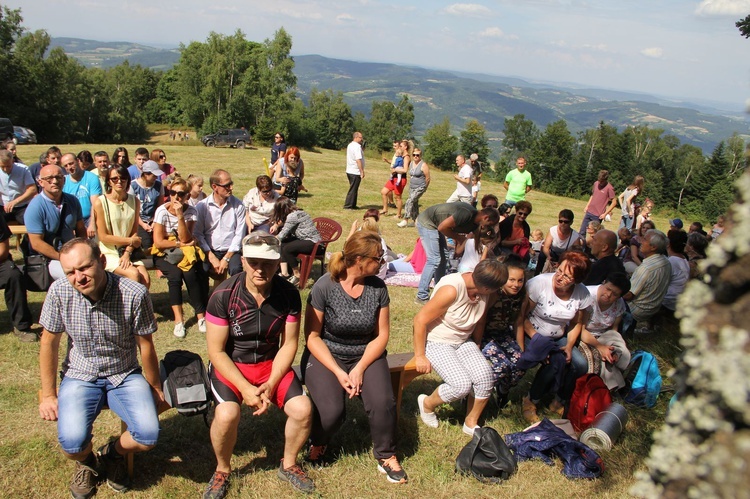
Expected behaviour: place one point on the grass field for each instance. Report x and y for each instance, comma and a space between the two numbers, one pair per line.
181, 464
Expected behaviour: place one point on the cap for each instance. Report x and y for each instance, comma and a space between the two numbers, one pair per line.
261, 245
151, 166
676, 222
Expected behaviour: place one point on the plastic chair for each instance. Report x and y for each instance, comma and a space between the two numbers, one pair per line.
330, 231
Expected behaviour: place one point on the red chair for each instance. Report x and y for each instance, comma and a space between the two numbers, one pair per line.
330, 231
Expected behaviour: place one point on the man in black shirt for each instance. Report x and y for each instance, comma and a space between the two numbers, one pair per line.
603, 249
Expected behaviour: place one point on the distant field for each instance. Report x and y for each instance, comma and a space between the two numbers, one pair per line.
183, 461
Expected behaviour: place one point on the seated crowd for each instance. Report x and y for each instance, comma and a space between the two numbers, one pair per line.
480, 330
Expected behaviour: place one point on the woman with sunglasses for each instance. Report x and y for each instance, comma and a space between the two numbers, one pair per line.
347, 326
173, 234
259, 202
278, 148
555, 307
560, 238
514, 231
160, 157
116, 216
297, 233
419, 180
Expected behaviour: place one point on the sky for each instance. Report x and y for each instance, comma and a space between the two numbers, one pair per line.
681, 49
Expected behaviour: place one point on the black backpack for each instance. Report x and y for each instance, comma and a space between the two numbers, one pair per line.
487, 457
185, 383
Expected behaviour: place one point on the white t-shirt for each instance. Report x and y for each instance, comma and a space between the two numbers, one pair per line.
551, 314
464, 172
602, 321
470, 258
169, 221
680, 276
353, 153
566, 244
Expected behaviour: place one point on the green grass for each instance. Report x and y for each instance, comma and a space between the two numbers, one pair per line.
183, 461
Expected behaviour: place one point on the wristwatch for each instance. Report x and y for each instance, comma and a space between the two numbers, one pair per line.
226, 259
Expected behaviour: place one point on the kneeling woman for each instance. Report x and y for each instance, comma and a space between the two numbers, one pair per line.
347, 325
447, 332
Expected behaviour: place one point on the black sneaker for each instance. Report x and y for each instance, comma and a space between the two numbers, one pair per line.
501, 398
85, 479
218, 486
297, 478
117, 470
392, 469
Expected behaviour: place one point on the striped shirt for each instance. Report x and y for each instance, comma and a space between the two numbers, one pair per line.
102, 333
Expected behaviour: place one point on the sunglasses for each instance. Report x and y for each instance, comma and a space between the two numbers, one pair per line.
269, 240
118, 180
161, 156
269, 191
179, 194
379, 259
226, 186
417, 155
522, 214
563, 221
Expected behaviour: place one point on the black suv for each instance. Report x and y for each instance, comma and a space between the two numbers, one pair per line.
6, 129
232, 137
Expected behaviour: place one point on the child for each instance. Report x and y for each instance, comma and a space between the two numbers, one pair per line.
195, 182
623, 250
476, 186
536, 240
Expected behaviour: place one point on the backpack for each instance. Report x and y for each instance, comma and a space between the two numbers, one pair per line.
487, 458
185, 383
643, 380
590, 397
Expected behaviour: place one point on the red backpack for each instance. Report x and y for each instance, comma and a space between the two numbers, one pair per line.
590, 397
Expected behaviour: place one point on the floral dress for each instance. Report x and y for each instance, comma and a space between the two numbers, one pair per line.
499, 344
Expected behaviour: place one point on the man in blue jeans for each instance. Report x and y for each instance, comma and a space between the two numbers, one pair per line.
108, 319
434, 224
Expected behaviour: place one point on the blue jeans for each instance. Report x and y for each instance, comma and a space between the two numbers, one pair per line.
627, 222
510, 203
588, 217
434, 246
544, 378
80, 402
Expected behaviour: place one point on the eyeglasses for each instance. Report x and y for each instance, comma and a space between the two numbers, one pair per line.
563, 221
225, 186
118, 180
58, 178
179, 194
522, 214
564, 277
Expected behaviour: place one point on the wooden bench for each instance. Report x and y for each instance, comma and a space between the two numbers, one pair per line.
403, 368
17, 230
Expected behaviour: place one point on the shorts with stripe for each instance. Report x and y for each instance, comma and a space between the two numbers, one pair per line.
256, 374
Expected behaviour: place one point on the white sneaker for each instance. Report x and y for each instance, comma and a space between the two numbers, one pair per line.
403, 223
202, 325
429, 418
469, 430
179, 330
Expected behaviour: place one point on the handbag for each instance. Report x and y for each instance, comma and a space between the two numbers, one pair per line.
487, 458
174, 255
36, 273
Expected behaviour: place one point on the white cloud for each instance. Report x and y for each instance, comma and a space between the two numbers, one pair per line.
599, 47
343, 18
653, 52
723, 8
493, 32
467, 9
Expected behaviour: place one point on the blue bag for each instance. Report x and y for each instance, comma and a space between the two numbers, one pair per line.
643, 380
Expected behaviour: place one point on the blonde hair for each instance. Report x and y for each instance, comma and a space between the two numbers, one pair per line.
537, 234
362, 244
370, 225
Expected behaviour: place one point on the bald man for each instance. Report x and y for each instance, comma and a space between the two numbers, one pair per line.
603, 249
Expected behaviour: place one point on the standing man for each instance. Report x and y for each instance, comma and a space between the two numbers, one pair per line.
17, 188
53, 218
603, 248
253, 322
109, 319
650, 281
84, 186
11, 280
517, 183
220, 227
101, 162
355, 170
141, 156
601, 194
463, 182
434, 224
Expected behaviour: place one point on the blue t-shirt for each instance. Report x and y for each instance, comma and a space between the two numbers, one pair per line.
14, 184
83, 190
43, 217
148, 196
134, 172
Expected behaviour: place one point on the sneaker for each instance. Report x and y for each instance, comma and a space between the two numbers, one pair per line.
296, 477
638, 330
429, 418
402, 223
316, 455
25, 336
420, 301
202, 325
528, 409
469, 430
293, 279
85, 479
179, 329
392, 469
117, 471
217, 487
411, 224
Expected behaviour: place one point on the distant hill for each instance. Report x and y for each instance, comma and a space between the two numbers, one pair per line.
463, 96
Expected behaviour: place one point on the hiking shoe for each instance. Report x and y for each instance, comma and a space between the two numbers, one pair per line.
420, 301
217, 486
85, 479
392, 469
25, 336
117, 470
429, 418
179, 330
402, 223
202, 325
297, 478
316, 456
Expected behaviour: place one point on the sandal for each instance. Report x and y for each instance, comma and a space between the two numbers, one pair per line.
529, 410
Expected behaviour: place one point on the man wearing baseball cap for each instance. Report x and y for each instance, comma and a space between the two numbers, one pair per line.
676, 224
253, 321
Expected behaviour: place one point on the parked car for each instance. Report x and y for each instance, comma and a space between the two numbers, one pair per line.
23, 135
232, 137
6, 129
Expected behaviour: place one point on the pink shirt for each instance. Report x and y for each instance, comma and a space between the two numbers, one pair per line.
600, 198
